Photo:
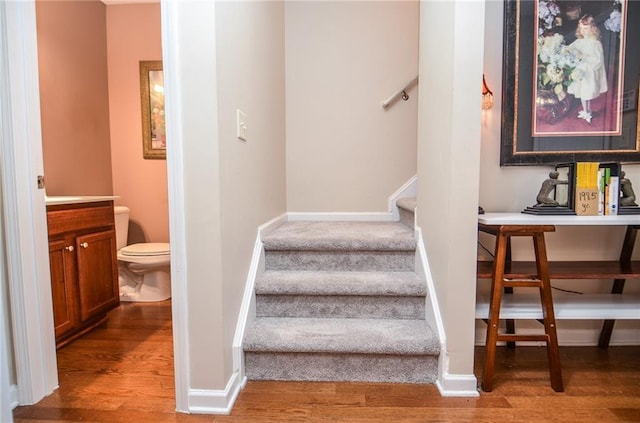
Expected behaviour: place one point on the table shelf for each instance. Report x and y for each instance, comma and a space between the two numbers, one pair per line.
566, 270
566, 307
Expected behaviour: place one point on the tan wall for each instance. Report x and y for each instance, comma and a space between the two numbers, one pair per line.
448, 164
74, 97
343, 59
231, 187
133, 34
251, 77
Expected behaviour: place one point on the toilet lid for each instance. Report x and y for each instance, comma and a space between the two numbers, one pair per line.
146, 249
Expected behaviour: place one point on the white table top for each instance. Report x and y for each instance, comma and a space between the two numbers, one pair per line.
561, 220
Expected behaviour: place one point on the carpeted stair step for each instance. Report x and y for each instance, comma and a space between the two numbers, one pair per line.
340, 301
383, 350
378, 295
340, 246
407, 209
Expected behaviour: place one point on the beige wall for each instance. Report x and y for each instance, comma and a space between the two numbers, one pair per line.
251, 77
230, 186
133, 34
514, 188
448, 164
74, 97
343, 59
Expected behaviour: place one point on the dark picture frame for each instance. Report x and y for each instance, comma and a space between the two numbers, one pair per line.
540, 132
154, 140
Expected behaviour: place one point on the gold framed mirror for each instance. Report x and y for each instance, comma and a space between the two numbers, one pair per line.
154, 138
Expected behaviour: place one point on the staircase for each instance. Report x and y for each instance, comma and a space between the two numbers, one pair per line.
340, 301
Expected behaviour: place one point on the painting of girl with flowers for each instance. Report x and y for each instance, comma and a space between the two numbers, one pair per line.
579, 67
571, 77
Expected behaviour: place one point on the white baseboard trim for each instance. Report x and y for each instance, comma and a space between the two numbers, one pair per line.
13, 396
270, 226
247, 308
208, 401
458, 385
340, 216
409, 189
454, 385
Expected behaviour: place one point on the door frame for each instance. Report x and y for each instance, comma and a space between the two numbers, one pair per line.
24, 209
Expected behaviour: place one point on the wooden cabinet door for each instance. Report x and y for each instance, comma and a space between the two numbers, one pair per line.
62, 260
97, 273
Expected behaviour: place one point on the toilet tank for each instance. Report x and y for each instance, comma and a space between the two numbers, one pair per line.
122, 225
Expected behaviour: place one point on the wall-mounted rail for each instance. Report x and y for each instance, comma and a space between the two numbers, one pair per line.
401, 93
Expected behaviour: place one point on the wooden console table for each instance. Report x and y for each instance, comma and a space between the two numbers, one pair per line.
506, 274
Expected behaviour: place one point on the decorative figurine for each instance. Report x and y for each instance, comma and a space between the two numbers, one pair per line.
548, 186
628, 197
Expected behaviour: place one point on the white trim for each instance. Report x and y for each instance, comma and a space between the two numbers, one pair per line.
432, 310
458, 386
408, 189
450, 385
339, 216
177, 219
210, 401
24, 207
13, 396
247, 309
266, 228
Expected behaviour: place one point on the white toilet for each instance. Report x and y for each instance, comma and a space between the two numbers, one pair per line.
143, 269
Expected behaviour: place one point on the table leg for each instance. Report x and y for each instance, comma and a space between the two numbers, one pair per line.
618, 284
553, 352
494, 311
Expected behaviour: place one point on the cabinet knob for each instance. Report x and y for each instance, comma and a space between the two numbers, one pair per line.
84, 244
69, 248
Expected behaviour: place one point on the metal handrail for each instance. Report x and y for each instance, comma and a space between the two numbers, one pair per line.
401, 93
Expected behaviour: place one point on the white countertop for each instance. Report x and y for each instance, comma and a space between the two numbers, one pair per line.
561, 220
71, 199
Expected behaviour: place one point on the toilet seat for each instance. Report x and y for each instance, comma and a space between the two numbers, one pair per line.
149, 253
146, 249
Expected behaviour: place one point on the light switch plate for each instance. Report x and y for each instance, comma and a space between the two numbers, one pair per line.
241, 125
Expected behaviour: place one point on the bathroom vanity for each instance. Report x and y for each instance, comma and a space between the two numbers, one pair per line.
83, 263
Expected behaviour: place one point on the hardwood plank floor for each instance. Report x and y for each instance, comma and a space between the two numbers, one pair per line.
123, 372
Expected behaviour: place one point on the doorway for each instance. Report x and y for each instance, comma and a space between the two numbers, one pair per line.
90, 97
23, 206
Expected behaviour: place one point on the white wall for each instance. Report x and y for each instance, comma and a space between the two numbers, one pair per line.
514, 188
343, 59
448, 164
228, 55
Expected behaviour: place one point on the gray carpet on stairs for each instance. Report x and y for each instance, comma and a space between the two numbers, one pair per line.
364, 336
340, 283
359, 236
407, 209
341, 301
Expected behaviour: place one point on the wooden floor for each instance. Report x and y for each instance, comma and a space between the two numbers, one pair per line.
123, 372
